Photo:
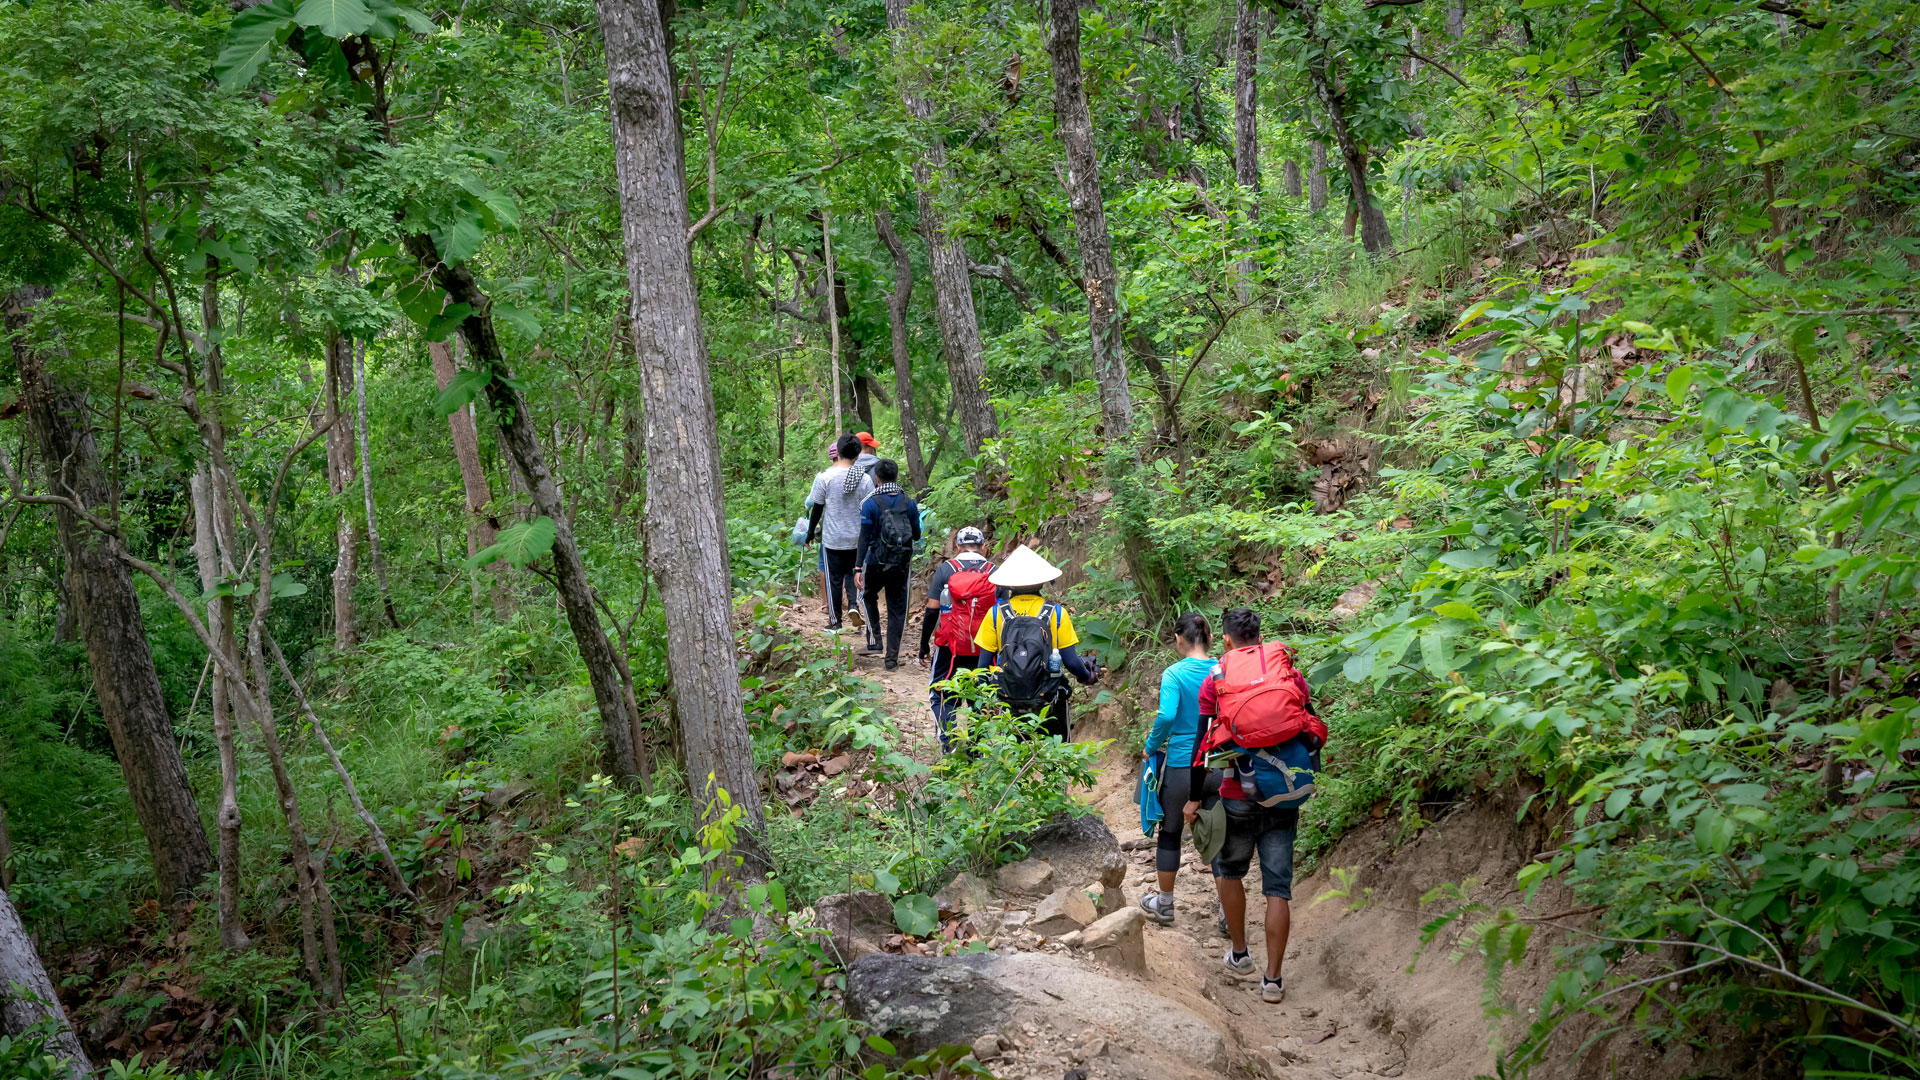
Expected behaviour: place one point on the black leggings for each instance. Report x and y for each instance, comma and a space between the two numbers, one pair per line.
1179, 784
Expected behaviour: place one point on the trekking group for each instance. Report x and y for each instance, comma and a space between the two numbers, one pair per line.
1234, 745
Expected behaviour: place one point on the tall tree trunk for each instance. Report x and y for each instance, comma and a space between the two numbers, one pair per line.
28, 999
124, 679
1246, 126
1374, 235
897, 301
346, 566
366, 483
947, 269
1317, 180
530, 460
1290, 174
208, 551
685, 519
1074, 126
829, 296
483, 525
1456, 19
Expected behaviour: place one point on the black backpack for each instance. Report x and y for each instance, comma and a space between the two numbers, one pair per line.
1025, 658
893, 548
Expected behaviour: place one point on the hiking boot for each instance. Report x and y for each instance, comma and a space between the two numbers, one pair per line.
1271, 991
1241, 964
874, 646
1159, 907
893, 663
1220, 921
834, 625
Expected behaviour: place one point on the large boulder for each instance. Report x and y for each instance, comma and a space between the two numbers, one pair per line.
1063, 911
922, 1002
1119, 940
856, 923
1081, 851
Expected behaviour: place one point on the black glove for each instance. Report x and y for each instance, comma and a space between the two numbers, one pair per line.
928, 624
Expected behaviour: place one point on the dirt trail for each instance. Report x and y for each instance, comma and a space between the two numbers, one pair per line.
1345, 1015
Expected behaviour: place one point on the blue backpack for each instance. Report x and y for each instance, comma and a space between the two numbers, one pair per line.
1279, 776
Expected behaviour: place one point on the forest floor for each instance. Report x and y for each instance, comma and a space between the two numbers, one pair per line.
1353, 1007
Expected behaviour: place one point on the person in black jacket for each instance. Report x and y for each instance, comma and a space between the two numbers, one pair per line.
889, 531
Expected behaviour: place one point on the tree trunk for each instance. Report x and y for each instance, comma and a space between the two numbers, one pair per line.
897, 301
685, 519
1456, 19
1317, 180
29, 999
208, 551
523, 445
483, 526
366, 483
346, 566
947, 270
124, 679
1374, 235
1290, 171
1246, 103
830, 293
1074, 126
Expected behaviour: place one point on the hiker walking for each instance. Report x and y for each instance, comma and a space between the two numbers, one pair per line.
838, 491
1170, 752
1030, 639
959, 595
889, 529
1260, 728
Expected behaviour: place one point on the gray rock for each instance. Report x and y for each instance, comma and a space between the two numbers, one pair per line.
1028, 877
1119, 940
986, 1047
1107, 899
1063, 910
856, 923
965, 895
922, 1002
1079, 849
506, 795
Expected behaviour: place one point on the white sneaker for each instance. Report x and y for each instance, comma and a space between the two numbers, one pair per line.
1239, 965
1158, 906
1272, 991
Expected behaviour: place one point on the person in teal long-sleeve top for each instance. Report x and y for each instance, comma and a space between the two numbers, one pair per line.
1176, 728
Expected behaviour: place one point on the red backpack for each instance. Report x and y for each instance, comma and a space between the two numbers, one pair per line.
973, 596
1262, 699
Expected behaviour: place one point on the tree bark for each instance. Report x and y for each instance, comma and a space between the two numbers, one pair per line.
1374, 235
947, 270
208, 551
897, 301
530, 459
1290, 171
1246, 127
366, 483
1074, 126
830, 290
685, 520
483, 524
1317, 180
346, 566
124, 679
27, 997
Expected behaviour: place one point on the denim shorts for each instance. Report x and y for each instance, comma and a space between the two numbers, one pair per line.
1270, 830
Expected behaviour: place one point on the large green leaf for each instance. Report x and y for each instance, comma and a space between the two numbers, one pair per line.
335, 18
519, 545
916, 914
250, 40
464, 387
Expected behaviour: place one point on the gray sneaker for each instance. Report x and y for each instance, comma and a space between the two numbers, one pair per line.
1271, 991
1238, 965
1158, 906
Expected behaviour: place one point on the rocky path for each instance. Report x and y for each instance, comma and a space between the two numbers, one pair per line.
1079, 985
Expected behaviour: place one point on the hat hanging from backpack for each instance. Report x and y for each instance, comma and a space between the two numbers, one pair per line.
1024, 567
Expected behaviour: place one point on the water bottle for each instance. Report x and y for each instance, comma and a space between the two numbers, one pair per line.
1053, 663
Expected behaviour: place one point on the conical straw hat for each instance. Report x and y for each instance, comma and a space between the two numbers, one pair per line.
1024, 567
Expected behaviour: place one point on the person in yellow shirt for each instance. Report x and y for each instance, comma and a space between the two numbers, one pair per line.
1029, 642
